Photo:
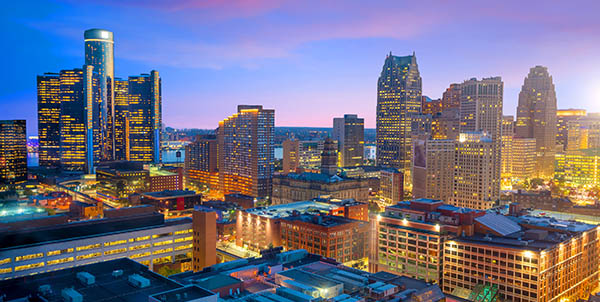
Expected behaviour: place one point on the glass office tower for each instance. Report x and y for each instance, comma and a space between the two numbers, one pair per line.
13, 152
145, 117
48, 94
99, 53
121, 91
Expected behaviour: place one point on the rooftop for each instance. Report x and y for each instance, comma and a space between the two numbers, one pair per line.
109, 285
316, 177
182, 294
321, 220
285, 210
170, 193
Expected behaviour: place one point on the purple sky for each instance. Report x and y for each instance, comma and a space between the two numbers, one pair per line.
309, 60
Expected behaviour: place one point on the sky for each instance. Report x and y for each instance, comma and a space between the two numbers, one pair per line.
309, 60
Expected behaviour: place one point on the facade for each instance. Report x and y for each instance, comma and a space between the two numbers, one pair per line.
201, 163
259, 228
563, 117
204, 228
148, 239
506, 148
145, 117
48, 94
100, 53
578, 167
291, 150
446, 125
171, 200
524, 158
339, 238
13, 152
451, 97
523, 259
583, 133
536, 118
305, 186
246, 154
121, 124
476, 184
410, 237
349, 132
429, 106
391, 186
301, 154
433, 168
329, 158
398, 98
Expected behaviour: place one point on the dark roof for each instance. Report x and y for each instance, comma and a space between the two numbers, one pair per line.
87, 228
105, 288
170, 193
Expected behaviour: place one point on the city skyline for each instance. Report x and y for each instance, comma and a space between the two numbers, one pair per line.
214, 61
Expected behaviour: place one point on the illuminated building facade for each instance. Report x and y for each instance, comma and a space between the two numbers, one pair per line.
331, 236
48, 94
523, 259
433, 168
246, 156
329, 158
121, 127
305, 186
201, 162
410, 237
563, 117
80, 136
476, 184
429, 106
145, 117
13, 151
446, 125
524, 158
398, 98
349, 132
579, 167
99, 53
147, 239
301, 154
536, 118
291, 150
451, 97
506, 148
391, 186
204, 228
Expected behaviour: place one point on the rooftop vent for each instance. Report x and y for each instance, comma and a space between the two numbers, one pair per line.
138, 281
86, 278
117, 273
71, 295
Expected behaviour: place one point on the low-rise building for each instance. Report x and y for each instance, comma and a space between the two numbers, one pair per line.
54, 200
578, 167
305, 186
171, 200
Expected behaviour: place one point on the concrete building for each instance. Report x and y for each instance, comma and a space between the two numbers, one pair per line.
13, 152
329, 158
476, 183
523, 258
145, 237
578, 167
433, 168
201, 168
259, 228
398, 98
120, 279
446, 124
349, 132
524, 158
305, 186
536, 118
506, 148
204, 228
171, 200
391, 186
246, 158
410, 237
299, 276
301, 154
563, 117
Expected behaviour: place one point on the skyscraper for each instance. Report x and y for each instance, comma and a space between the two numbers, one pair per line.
349, 131
246, 156
398, 98
201, 157
433, 168
451, 97
145, 117
524, 158
13, 151
506, 149
121, 93
536, 118
291, 150
99, 53
80, 135
563, 118
48, 94
329, 158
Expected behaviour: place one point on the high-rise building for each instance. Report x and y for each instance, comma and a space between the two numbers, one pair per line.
13, 151
446, 124
451, 97
475, 183
145, 117
201, 162
80, 136
246, 156
48, 93
536, 118
506, 155
204, 252
329, 158
398, 98
121, 125
563, 117
433, 168
301, 154
349, 132
524, 158
291, 148
429, 106
578, 167
391, 186
99, 53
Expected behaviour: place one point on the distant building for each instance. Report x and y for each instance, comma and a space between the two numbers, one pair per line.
563, 117
429, 106
121, 119
578, 167
56, 200
171, 200
145, 117
13, 152
305, 186
329, 158
398, 98
446, 125
49, 102
246, 154
524, 158
349, 132
506, 148
244, 201
201, 163
433, 168
451, 97
301, 154
536, 118
391, 186
542, 200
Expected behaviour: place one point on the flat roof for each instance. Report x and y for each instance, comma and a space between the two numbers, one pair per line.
217, 281
308, 278
170, 193
321, 220
285, 210
182, 294
105, 288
